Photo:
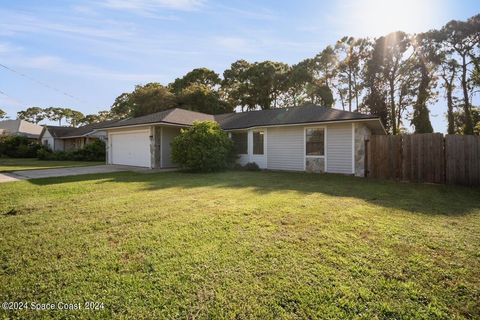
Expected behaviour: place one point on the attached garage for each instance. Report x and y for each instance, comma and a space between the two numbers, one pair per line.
131, 148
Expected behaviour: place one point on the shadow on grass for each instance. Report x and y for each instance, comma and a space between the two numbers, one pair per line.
421, 198
28, 164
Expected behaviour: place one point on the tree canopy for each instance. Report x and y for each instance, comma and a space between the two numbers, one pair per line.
32, 114
200, 76
38, 114
146, 99
396, 77
202, 98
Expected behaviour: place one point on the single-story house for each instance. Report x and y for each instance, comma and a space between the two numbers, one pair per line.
20, 128
307, 138
59, 138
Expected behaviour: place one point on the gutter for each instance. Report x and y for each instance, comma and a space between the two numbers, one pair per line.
302, 123
172, 124
72, 137
248, 127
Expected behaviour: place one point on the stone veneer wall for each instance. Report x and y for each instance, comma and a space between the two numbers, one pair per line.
155, 146
316, 165
361, 134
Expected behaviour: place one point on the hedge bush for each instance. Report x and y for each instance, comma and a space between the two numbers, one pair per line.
251, 166
94, 151
18, 147
204, 147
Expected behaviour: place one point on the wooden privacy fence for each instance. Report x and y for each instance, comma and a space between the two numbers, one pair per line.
430, 157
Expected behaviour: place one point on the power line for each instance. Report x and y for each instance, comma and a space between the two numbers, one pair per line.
40, 82
12, 98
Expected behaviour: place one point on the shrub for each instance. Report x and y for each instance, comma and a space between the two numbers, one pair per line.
204, 147
94, 151
44, 154
237, 166
18, 147
251, 166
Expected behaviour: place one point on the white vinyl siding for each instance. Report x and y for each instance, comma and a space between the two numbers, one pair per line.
59, 145
168, 133
285, 148
243, 159
53, 143
339, 148
48, 140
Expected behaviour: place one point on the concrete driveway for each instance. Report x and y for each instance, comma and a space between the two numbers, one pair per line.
63, 172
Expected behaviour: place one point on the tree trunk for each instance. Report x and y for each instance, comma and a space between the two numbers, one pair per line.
468, 129
451, 119
399, 112
355, 90
393, 112
341, 99
421, 119
350, 91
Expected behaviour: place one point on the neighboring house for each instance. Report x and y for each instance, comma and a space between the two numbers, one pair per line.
308, 138
20, 128
68, 138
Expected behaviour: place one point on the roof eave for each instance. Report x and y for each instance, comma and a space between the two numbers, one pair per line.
305, 123
147, 124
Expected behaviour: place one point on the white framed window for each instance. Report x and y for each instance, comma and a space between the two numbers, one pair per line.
315, 142
258, 142
240, 140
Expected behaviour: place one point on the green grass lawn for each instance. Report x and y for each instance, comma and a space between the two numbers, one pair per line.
243, 245
16, 164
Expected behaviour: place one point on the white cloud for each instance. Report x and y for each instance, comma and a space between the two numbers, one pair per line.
85, 9
93, 34
256, 13
8, 48
235, 44
59, 65
258, 44
6, 100
153, 5
13, 23
42, 62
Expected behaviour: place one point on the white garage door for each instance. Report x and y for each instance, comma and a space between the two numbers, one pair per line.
131, 148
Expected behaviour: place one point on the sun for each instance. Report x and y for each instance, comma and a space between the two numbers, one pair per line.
379, 17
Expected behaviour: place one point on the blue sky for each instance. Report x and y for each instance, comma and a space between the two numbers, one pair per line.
89, 52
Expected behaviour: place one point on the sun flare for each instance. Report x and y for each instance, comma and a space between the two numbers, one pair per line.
377, 17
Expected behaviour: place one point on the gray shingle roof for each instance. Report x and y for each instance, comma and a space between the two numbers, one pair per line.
59, 132
83, 130
292, 115
70, 132
172, 116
